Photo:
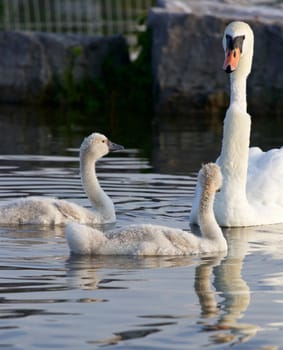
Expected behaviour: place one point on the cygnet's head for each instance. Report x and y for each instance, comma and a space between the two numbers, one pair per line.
210, 177
98, 145
238, 43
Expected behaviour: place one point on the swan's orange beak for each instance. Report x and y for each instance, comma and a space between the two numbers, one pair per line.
231, 61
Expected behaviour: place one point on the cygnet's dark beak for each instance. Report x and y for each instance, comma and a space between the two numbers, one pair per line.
114, 146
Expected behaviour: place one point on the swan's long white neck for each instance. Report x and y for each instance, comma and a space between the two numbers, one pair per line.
238, 79
98, 198
236, 137
235, 149
238, 87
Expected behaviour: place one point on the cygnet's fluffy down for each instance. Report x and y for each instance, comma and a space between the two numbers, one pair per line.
53, 211
156, 240
46, 211
135, 240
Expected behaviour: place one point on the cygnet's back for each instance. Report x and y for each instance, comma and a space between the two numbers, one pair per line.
155, 239
45, 211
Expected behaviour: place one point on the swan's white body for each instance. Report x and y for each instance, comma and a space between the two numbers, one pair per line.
154, 239
252, 191
53, 211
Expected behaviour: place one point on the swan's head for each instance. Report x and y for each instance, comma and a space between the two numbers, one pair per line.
98, 145
238, 43
210, 177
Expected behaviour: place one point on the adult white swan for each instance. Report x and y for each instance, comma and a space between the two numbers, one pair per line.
252, 191
53, 211
154, 239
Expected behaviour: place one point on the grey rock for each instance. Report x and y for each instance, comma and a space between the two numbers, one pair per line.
32, 64
187, 56
23, 67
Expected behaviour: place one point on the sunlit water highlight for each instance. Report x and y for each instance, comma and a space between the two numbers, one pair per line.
51, 300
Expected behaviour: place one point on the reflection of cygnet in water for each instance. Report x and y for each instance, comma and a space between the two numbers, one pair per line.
83, 272
234, 290
203, 288
154, 239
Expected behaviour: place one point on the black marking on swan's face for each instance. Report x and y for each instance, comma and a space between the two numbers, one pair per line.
236, 43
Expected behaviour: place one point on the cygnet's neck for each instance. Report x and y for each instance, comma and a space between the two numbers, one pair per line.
208, 225
96, 195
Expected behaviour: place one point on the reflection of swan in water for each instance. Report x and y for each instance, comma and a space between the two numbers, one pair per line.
153, 239
267, 240
53, 211
232, 288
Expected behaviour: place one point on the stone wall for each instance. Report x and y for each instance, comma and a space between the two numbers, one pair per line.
33, 64
187, 56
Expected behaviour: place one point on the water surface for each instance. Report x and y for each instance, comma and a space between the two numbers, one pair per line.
51, 300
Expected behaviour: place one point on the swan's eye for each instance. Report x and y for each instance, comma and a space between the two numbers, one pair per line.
103, 141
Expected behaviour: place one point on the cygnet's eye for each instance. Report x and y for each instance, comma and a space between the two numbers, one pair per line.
103, 141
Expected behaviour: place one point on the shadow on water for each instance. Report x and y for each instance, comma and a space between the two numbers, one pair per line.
38, 130
182, 144
174, 144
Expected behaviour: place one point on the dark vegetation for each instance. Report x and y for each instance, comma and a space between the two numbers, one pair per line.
120, 103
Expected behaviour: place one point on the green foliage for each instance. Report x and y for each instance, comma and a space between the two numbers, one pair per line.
76, 51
